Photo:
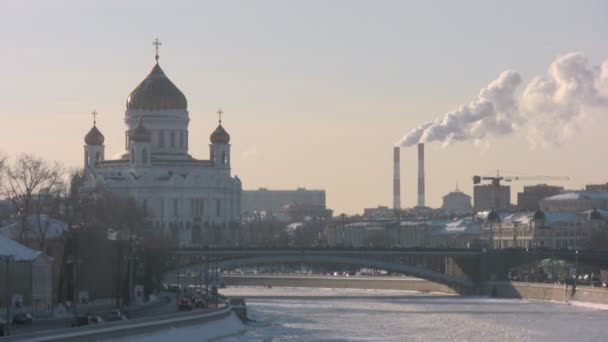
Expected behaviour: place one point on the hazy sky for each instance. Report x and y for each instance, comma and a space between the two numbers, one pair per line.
315, 93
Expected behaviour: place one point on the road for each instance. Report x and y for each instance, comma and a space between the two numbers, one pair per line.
160, 308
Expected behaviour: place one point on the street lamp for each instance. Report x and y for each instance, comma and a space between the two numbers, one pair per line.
132, 258
7, 258
575, 267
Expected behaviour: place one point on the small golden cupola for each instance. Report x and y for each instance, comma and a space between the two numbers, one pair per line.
220, 136
140, 133
94, 136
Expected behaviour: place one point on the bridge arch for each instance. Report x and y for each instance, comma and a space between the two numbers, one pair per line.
434, 276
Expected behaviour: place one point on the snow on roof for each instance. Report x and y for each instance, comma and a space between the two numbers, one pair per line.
580, 195
365, 225
462, 226
522, 217
295, 225
564, 217
53, 228
502, 213
17, 250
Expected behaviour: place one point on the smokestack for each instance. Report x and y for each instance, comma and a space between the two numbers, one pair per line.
421, 175
396, 178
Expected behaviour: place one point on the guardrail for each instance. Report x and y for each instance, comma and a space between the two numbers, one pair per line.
111, 330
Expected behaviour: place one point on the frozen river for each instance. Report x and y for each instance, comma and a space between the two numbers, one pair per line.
308, 314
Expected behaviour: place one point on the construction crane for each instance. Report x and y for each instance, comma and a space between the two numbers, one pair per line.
496, 182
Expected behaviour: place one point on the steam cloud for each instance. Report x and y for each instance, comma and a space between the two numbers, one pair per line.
550, 107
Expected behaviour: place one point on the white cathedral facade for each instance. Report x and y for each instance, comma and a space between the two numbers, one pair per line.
197, 201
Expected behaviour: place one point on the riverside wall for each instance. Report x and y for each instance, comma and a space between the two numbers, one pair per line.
388, 283
523, 290
114, 330
560, 293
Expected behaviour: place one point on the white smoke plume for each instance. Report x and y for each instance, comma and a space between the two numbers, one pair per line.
550, 106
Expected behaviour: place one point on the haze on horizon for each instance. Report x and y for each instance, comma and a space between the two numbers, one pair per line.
315, 93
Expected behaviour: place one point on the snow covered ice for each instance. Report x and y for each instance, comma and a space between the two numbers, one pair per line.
321, 314
305, 314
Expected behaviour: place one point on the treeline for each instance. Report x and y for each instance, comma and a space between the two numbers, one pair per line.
43, 195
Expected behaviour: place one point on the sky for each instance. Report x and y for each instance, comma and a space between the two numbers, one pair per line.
315, 94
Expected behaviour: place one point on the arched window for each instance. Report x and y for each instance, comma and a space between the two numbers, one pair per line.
172, 138
98, 156
144, 156
181, 139
224, 160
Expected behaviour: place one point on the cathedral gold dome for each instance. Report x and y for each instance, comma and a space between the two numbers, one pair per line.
94, 137
156, 92
140, 133
220, 136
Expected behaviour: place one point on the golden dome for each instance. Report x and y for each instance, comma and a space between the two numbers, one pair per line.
155, 92
140, 133
220, 136
94, 137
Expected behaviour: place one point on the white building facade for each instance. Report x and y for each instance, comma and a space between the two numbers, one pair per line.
457, 203
197, 201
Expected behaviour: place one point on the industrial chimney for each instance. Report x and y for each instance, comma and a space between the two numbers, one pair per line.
396, 179
421, 175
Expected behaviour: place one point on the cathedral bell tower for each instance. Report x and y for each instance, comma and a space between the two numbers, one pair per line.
94, 149
220, 146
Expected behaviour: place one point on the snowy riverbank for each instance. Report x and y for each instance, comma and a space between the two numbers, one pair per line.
212, 330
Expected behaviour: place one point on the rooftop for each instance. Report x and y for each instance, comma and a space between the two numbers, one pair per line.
580, 195
18, 251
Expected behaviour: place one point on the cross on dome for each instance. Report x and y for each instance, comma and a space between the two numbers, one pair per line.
219, 113
156, 44
94, 113
220, 136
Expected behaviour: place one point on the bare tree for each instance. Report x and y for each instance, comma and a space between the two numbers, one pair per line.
24, 183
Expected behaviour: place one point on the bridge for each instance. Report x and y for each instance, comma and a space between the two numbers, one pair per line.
463, 270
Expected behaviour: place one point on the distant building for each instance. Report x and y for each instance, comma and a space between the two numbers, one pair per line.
487, 197
596, 187
457, 203
379, 213
556, 230
529, 199
462, 233
379, 234
576, 201
30, 274
303, 211
274, 200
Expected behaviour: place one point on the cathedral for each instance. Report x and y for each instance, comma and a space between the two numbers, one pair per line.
196, 201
